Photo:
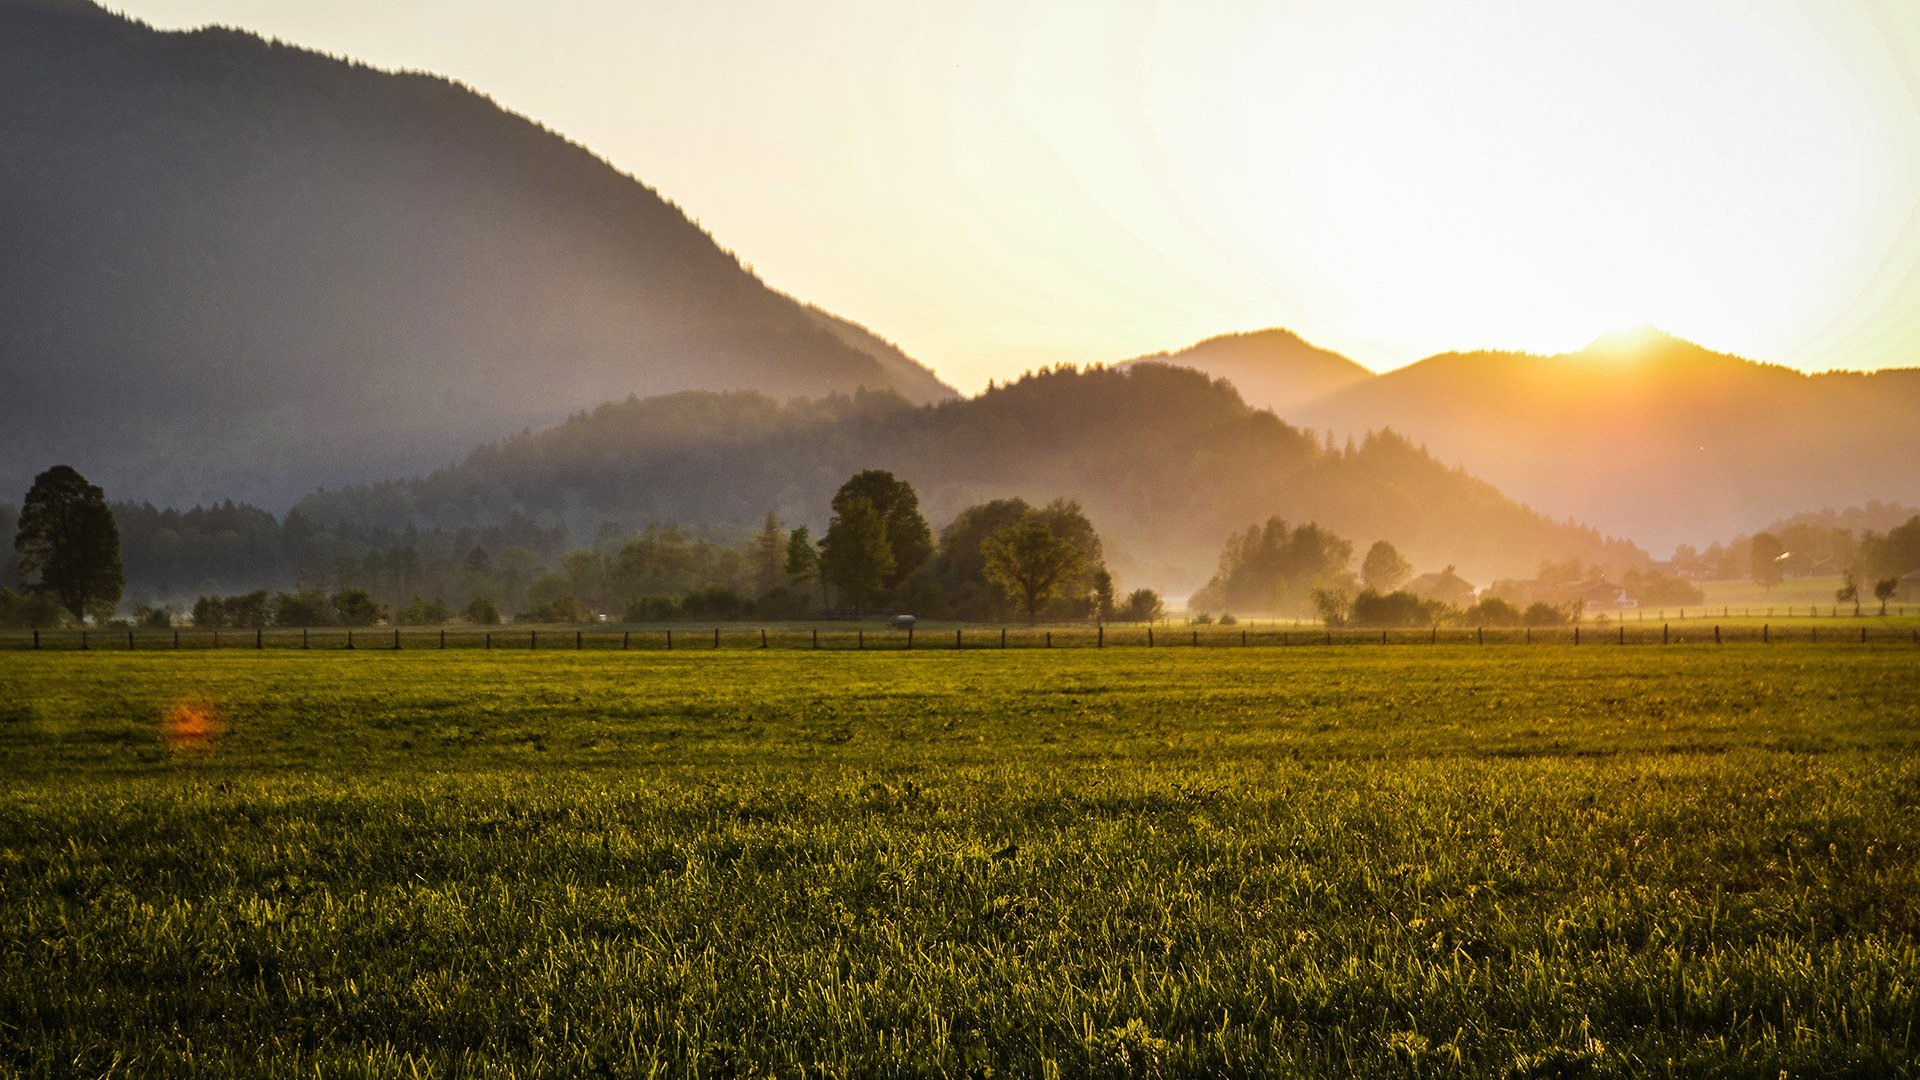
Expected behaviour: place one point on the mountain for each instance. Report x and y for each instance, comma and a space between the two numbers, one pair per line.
1273, 369
1648, 436
236, 268
1166, 461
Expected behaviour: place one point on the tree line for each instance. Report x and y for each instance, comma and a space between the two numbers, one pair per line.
996, 560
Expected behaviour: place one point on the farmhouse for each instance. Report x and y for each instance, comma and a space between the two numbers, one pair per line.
1603, 595
1447, 587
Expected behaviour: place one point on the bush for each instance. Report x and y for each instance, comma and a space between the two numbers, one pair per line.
1492, 611
1227, 619
354, 607
425, 613
149, 617
1541, 614
651, 609
1143, 605
483, 612
1395, 609
307, 607
561, 609
1201, 619
713, 602
31, 610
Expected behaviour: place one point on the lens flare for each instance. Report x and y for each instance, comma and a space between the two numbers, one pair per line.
191, 723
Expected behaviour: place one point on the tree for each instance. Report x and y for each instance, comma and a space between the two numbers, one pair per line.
1032, 561
1102, 594
1142, 605
803, 561
909, 541
1849, 591
1883, 591
353, 607
767, 556
69, 544
1765, 553
1384, 570
854, 556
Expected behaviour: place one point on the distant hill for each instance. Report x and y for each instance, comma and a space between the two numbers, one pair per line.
1272, 369
1649, 436
239, 269
1166, 461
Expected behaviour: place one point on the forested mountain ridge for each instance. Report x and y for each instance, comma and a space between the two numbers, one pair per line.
1166, 462
241, 269
1650, 436
1273, 369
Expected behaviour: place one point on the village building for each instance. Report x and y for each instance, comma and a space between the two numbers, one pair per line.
1447, 587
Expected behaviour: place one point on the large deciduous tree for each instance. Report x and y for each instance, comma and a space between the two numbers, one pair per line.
1033, 561
1384, 570
908, 539
69, 545
855, 557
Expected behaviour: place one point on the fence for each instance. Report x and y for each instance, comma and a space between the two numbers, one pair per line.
962, 639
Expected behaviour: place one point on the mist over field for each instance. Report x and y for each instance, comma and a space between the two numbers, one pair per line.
1167, 565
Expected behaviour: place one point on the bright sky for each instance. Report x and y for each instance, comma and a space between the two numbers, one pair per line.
998, 184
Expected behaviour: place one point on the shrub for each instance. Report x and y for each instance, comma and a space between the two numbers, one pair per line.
1492, 611
1395, 609
1542, 614
482, 611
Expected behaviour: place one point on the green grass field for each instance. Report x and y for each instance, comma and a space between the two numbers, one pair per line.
1407, 861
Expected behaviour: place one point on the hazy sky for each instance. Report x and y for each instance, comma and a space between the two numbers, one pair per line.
997, 184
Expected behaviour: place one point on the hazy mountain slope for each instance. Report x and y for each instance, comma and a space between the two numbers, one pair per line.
1166, 461
1651, 437
236, 268
1272, 369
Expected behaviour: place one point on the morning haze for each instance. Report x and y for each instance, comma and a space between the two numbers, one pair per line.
1006, 539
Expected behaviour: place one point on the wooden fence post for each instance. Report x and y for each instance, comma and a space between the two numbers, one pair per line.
259, 638
533, 640
1480, 635
1623, 635
489, 640
1100, 636
396, 639
860, 639
716, 637
626, 640
763, 637
216, 638
956, 641
1716, 633
1576, 635
1049, 639
443, 638
909, 636
1149, 637
816, 637
1003, 637
579, 640
669, 641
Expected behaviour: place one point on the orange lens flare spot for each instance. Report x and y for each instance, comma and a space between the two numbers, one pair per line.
190, 723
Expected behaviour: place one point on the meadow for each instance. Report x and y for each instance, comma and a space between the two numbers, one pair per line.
1425, 860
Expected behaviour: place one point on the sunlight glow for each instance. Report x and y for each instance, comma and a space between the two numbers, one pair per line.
1010, 183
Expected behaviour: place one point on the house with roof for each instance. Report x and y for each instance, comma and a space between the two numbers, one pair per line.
1447, 587
1603, 595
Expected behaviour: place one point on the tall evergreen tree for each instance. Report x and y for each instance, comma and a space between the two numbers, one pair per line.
69, 545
